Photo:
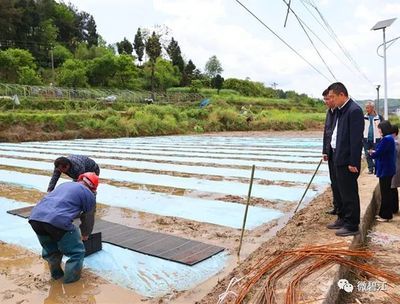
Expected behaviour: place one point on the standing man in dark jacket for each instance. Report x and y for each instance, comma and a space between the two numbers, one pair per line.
52, 218
73, 166
327, 150
346, 145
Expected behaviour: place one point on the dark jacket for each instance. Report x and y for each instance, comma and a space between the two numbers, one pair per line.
79, 164
385, 156
61, 206
349, 135
328, 130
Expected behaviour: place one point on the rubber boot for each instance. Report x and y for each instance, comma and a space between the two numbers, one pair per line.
52, 255
71, 245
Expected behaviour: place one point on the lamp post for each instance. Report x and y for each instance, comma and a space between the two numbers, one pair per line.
377, 96
382, 25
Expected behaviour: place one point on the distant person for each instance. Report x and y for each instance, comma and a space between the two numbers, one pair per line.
385, 156
73, 166
327, 152
346, 146
396, 177
52, 218
371, 136
246, 112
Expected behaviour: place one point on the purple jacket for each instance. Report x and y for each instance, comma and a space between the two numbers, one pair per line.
385, 157
61, 206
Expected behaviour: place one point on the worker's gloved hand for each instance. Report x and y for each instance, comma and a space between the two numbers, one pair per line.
85, 237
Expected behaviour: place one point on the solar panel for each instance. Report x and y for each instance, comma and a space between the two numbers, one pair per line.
383, 24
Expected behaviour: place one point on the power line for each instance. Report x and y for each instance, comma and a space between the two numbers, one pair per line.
333, 35
283, 41
323, 43
309, 38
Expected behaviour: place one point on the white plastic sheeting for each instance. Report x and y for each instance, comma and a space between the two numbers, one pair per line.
217, 171
134, 152
148, 276
50, 153
201, 210
270, 192
204, 150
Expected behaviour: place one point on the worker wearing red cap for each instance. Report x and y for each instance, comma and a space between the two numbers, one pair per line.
52, 218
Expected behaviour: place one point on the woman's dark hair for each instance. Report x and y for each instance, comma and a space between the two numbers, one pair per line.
395, 130
386, 127
61, 161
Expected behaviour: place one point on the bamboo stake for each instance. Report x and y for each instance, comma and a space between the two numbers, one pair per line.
247, 208
308, 186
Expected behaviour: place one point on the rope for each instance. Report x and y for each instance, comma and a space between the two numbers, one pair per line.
227, 292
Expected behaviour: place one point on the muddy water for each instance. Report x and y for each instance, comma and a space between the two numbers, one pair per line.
24, 278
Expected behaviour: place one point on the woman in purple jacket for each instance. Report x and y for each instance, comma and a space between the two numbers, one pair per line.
385, 161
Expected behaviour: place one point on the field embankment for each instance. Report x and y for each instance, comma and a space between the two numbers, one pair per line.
45, 118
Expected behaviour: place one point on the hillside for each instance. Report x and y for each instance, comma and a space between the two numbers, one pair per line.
52, 113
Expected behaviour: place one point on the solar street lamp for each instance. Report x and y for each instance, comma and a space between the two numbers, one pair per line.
382, 25
377, 95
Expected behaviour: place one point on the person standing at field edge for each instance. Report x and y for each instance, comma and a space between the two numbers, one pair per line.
327, 152
371, 135
73, 166
346, 146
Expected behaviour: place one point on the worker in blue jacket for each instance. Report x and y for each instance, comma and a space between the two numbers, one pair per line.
52, 218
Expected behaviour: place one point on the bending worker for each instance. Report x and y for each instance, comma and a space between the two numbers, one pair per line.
52, 218
73, 166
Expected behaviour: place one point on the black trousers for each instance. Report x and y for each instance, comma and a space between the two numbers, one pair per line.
387, 197
42, 228
337, 200
395, 200
348, 189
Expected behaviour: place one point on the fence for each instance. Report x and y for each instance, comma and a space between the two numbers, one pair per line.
106, 95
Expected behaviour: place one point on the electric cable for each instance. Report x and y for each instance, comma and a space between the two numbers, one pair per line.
311, 41
333, 35
283, 41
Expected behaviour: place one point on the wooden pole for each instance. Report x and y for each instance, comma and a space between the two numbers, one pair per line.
247, 208
308, 186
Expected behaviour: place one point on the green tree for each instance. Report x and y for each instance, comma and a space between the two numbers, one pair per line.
9, 17
73, 74
101, 70
126, 75
61, 54
138, 45
87, 29
166, 75
11, 63
65, 20
213, 67
174, 53
28, 76
153, 50
124, 47
84, 52
217, 82
188, 74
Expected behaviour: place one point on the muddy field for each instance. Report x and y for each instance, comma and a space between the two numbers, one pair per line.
24, 277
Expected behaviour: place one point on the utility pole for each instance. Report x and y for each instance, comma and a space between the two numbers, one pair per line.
377, 96
52, 65
382, 25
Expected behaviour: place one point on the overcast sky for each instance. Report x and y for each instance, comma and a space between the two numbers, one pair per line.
247, 49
